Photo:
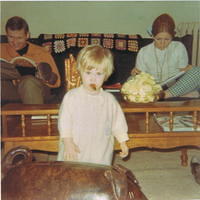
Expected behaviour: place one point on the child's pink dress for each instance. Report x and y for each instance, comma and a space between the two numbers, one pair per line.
92, 121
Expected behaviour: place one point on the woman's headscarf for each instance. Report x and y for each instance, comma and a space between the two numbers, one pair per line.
163, 23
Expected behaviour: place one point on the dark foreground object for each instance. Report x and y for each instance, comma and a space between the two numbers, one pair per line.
195, 168
24, 179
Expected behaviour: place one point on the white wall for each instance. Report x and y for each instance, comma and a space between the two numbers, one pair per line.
96, 17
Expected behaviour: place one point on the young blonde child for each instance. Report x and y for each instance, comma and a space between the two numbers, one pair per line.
89, 117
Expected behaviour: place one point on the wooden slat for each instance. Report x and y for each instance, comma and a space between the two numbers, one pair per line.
30, 109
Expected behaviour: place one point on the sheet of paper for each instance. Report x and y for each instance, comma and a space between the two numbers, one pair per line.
180, 122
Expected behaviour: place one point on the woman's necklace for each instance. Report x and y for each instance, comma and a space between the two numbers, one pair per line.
160, 64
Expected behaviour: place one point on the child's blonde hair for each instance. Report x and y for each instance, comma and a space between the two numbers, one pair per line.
95, 56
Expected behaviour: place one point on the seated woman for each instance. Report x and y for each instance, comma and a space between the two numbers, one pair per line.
163, 58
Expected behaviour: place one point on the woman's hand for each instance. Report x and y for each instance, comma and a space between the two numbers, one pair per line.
160, 95
186, 68
125, 150
135, 71
71, 150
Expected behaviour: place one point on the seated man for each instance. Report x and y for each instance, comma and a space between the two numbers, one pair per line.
31, 78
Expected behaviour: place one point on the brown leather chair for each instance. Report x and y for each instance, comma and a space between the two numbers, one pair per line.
23, 179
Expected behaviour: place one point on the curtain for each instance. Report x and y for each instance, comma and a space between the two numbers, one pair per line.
192, 28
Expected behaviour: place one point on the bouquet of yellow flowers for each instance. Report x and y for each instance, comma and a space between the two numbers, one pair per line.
141, 88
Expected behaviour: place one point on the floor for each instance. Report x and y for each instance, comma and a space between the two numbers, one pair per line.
161, 176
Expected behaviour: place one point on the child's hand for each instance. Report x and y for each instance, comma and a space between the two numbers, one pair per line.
124, 148
71, 150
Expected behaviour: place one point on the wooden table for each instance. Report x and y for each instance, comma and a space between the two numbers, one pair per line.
42, 134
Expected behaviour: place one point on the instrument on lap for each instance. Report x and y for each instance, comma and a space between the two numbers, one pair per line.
23, 61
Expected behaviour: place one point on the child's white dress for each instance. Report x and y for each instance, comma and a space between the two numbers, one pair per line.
92, 121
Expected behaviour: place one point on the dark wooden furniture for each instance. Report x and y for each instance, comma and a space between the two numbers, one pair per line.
65, 180
41, 134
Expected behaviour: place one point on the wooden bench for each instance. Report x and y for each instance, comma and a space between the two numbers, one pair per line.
41, 134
